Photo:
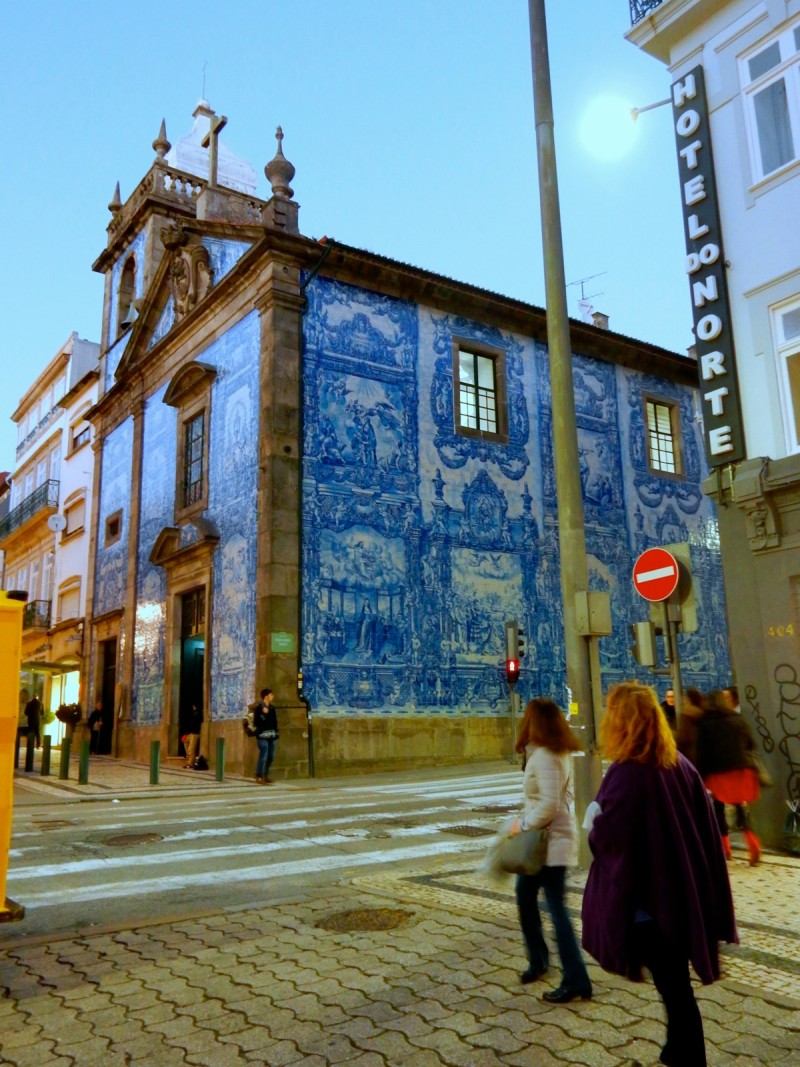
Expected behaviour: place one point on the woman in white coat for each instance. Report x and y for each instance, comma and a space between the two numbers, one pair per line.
548, 743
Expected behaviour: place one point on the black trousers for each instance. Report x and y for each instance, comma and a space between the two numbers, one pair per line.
669, 966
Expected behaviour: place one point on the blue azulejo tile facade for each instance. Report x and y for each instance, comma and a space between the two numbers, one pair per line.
420, 542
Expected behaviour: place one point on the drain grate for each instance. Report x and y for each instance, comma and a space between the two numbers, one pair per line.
55, 824
498, 809
131, 840
468, 831
343, 922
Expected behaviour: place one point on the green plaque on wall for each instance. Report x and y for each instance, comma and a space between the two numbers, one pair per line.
281, 641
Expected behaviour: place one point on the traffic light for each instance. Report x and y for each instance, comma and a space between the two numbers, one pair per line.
512, 640
521, 642
512, 671
644, 643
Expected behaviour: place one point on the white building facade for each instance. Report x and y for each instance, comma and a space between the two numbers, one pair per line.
45, 533
747, 54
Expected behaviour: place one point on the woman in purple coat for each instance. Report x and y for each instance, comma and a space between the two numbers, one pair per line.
657, 895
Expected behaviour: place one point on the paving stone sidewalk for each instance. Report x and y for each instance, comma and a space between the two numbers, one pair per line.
277, 985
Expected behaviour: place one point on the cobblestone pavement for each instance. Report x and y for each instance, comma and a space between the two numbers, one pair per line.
438, 983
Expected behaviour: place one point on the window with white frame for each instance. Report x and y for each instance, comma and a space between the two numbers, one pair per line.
663, 435
69, 600
75, 516
786, 328
479, 399
770, 76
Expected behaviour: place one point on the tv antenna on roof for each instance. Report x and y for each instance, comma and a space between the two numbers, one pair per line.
205, 65
584, 302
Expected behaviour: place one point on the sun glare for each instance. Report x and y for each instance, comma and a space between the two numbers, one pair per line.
606, 128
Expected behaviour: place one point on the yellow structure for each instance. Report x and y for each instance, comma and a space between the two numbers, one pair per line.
10, 653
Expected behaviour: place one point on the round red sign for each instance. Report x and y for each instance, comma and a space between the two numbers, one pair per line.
656, 574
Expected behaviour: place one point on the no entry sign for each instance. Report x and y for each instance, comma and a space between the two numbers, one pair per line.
656, 574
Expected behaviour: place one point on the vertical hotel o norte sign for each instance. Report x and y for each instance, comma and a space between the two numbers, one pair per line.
705, 265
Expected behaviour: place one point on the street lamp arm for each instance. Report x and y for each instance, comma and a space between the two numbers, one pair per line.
636, 111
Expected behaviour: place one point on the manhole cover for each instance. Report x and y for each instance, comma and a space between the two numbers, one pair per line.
129, 840
468, 831
364, 919
401, 822
498, 809
54, 824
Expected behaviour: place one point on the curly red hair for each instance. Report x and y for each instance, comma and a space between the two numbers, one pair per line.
635, 727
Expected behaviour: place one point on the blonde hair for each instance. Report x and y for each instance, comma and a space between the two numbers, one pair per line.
635, 727
544, 724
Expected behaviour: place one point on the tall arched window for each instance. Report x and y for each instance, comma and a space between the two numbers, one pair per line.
126, 293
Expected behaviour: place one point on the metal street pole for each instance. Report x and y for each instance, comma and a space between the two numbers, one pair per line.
571, 531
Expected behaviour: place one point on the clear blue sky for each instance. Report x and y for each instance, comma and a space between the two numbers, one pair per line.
410, 124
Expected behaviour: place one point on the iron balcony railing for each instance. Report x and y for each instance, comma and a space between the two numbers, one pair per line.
46, 496
36, 615
641, 9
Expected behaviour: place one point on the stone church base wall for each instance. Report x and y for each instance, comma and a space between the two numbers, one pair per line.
342, 745
396, 743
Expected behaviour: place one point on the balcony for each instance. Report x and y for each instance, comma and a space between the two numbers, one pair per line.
46, 496
36, 615
641, 9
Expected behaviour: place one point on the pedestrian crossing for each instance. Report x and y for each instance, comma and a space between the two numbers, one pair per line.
67, 867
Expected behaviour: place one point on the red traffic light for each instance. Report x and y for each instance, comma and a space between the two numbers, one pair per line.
512, 671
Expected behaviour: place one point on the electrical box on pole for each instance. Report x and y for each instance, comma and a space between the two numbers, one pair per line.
644, 643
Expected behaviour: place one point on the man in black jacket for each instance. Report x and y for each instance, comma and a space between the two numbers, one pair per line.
265, 720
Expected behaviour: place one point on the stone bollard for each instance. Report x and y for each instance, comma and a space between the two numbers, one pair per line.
155, 761
46, 743
220, 767
83, 765
63, 771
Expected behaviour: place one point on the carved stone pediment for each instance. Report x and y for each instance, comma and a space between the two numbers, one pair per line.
190, 274
198, 537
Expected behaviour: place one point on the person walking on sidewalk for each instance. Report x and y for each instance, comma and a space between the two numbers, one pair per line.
726, 758
33, 712
191, 739
265, 721
657, 894
96, 727
548, 744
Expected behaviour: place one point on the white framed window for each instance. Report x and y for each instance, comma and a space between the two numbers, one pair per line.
662, 421
786, 331
69, 600
75, 514
479, 397
41, 473
33, 588
55, 463
47, 575
770, 78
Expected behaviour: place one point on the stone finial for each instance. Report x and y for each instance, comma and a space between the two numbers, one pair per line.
161, 145
115, 203
279, 171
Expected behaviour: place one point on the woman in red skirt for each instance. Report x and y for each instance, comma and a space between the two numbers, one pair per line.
726, 760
